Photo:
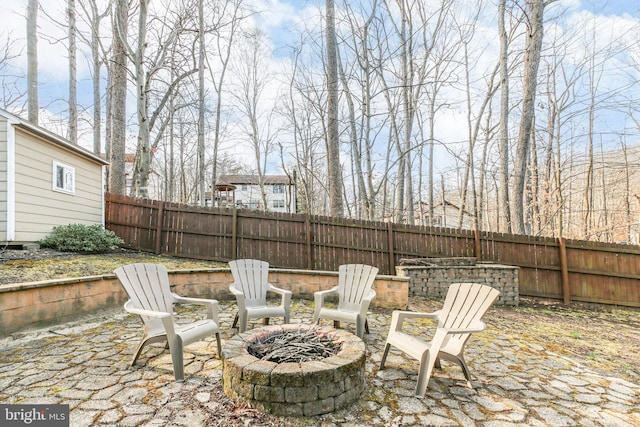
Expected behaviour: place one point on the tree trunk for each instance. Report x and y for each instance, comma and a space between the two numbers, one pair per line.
201, 105
32, 61
334, 173
143, 151
118, 97
97, 63
503, 138
72, 134
534, 10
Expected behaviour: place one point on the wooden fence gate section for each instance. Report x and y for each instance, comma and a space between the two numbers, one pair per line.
570, 270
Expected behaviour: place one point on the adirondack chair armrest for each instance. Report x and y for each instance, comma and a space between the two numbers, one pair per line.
210, 304
366, 301
322, 294
149, 313
398, 317
236, 292
285, 294
318, 300
478, 326
240, 299
369, 296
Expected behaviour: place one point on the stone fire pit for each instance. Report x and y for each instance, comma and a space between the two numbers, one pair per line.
294, 389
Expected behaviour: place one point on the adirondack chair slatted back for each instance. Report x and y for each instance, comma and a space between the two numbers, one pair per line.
148, 288
251, 277
465, 304
354, 282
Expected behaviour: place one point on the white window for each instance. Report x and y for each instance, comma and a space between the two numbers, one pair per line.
244, 187
64, 178
278, 204
278, 188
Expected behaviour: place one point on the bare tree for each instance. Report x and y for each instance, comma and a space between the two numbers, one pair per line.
146, 70
534, 10
334, 170
252, 73
224, 42
118, 98
11, 92
72, 133
32, 61
93, 18
503, 138
201, 104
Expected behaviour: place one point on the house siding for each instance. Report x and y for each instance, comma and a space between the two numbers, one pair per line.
38, 207
251, 198
3, 178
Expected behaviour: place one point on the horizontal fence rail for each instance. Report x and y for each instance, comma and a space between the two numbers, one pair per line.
569, 270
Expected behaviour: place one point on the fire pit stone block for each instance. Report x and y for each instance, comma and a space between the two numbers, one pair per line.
294, 389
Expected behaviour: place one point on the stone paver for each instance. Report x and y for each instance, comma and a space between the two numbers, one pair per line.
88, 368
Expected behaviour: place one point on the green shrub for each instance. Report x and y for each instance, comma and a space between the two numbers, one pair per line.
81, 238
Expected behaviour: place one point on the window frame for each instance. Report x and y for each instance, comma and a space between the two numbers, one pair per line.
278, 189
68, 178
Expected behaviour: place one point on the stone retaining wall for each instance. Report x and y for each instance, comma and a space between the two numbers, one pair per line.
433, 281
294, 389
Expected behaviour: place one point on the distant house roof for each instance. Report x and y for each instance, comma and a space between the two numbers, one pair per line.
232, 180
49, 136
425, 206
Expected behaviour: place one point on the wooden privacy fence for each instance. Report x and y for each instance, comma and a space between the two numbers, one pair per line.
570, 270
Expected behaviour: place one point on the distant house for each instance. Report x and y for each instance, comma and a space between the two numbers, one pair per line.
45, 181
445, 214
243, 191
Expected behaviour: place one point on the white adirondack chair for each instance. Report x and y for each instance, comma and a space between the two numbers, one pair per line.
150, 297
250, 288
354, 296
459, 317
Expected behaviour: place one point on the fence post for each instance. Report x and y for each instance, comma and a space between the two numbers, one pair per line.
478, 246
566, 289
159, 222
307, 226
392, 262
234, 235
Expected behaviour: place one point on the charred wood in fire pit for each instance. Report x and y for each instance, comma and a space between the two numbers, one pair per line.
296, 346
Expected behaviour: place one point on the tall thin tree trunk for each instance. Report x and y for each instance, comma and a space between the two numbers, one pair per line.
534, 10
73, 98
32, 61
118, 99
333, 133
97, 63
503, 137
201, 106
143, 151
